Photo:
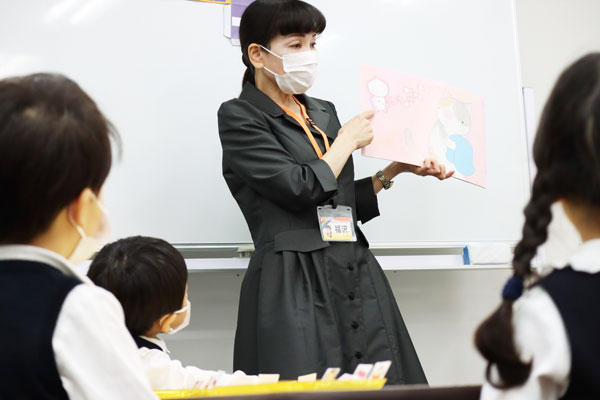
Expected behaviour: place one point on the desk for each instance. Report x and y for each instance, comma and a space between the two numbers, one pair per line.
387, 393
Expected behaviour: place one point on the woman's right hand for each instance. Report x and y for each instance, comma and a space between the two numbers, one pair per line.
358, 130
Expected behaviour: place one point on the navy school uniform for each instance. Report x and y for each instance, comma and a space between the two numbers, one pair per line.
576, 295
63, 337
556, 326
37, 292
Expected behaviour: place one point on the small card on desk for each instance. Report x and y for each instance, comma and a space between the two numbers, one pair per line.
330, 374
362, 371
308, 378
268, 378
380, 370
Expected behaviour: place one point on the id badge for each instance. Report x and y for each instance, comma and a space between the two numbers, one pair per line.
336, 224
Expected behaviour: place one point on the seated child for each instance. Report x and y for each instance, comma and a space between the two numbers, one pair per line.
62, 337
149, 277
541, 343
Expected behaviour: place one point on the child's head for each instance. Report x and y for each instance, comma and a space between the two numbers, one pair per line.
149, 277
55, 154
567, 155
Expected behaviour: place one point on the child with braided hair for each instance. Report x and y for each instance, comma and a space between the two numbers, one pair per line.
543, 343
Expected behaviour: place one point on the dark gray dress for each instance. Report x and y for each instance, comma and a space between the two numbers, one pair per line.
305, 304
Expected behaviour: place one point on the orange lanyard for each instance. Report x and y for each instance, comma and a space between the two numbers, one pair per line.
302, 123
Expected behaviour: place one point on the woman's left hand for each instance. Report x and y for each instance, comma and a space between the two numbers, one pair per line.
430, 168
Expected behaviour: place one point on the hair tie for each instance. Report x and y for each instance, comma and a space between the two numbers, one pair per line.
513, 288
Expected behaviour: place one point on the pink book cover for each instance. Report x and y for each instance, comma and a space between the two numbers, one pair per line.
418, 118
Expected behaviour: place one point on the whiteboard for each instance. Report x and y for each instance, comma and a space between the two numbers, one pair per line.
159, 69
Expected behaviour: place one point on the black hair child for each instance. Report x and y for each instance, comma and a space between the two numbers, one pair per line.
63, 337
528, 343
149, 277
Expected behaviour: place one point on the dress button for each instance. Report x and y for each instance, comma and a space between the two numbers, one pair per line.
355, 325
351, 295
350, 267
358, 355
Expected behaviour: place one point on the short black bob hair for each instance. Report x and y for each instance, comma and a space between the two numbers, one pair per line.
263, 20
147, 275
54, 143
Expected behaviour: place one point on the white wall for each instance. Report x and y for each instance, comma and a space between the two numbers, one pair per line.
553, 34
441, 308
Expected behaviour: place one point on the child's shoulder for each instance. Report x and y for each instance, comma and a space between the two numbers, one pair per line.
89, 300
537, 322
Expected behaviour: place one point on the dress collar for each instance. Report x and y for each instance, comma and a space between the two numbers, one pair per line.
315, 109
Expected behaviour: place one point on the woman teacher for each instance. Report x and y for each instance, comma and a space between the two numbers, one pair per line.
308, 300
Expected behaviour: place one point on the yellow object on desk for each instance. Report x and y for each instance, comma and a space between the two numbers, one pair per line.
279, 387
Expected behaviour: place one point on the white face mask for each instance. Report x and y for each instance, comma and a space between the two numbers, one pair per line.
186, 320
88, 245
300, 71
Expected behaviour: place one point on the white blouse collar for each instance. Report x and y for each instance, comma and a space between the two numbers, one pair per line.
587, 257
34, 253
157, 341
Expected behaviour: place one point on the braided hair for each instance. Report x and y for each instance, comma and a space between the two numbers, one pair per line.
566, 153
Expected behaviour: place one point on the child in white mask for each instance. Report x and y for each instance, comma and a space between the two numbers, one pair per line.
149, 277
64, 337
